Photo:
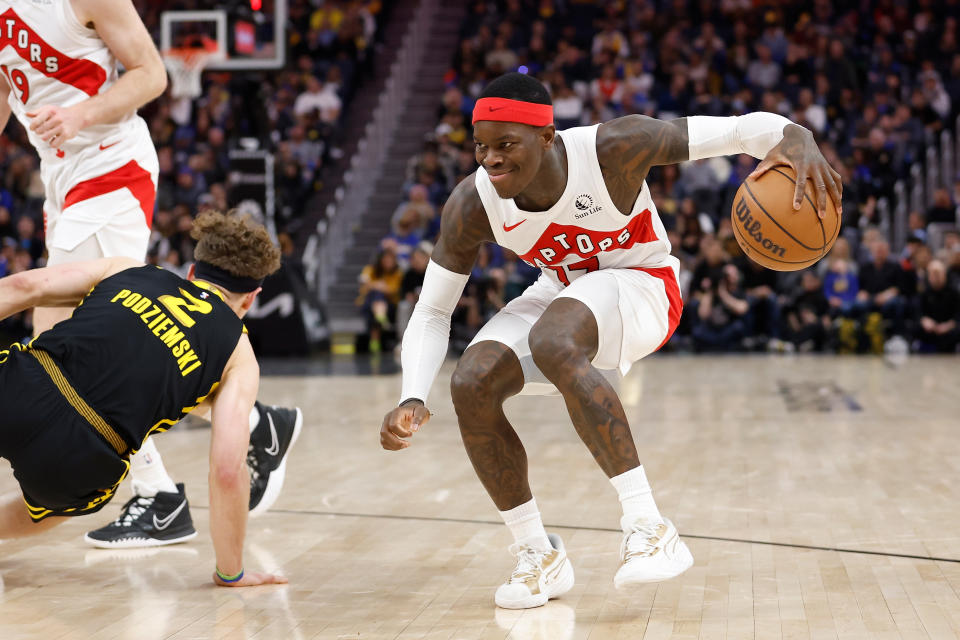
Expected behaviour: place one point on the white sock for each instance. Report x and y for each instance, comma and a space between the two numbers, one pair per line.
254, 418
636, 498
147, 474
526, 526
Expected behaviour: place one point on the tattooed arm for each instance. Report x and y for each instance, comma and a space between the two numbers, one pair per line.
627, 147
464, 227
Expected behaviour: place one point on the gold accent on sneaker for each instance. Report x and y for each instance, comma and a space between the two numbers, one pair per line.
549, 569
661, 530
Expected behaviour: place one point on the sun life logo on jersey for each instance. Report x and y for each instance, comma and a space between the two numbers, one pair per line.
584, 203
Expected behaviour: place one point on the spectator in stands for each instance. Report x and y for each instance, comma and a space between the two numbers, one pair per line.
8, 251
760, 286
411, 284
911, 275
28, 239
500, 58
881, 283
808, 316
943, 209
320, 98
722, 314
567, 106
607, 88
638, 85
953, 268
292, 188
406, 235
763, 72
6, 224
378, 297
939, 311
841, 286
934, 92
426, 213
610, 41
917, 226
709, 269
190, 186
304, 151
811, 114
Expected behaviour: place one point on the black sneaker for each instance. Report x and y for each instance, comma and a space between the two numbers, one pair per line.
147, 522
270, 441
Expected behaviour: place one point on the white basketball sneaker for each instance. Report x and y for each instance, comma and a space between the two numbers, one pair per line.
540, 575
651, 553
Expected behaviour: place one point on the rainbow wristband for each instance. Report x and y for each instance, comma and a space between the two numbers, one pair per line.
229, 579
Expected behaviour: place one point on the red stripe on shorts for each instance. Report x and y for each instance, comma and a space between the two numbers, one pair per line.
672, 288
131, 175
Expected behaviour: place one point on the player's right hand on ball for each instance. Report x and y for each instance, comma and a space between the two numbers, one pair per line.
401, 423
251, 579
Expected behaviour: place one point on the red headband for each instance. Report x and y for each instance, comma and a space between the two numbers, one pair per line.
505, 110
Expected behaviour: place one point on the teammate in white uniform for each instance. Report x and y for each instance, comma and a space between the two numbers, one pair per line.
59, 62
576, 204
98, 164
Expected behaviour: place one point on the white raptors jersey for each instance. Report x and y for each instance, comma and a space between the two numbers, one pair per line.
49, 58
583, 231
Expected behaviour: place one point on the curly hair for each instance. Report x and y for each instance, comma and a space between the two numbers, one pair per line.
236, 244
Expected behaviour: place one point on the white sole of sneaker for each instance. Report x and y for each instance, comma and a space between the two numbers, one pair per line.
136, 543
275, 483
684, 560
563, 584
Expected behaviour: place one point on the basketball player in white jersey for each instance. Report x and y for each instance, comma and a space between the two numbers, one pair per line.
576, 204
59, 63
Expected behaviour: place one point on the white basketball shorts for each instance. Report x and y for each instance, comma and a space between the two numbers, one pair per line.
102, 199
637, 310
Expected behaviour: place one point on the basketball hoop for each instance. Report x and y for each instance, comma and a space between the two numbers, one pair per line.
185, 64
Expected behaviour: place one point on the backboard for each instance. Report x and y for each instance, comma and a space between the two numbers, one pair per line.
249, 33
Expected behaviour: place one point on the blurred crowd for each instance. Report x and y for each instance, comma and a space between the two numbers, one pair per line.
875, 81
294, 113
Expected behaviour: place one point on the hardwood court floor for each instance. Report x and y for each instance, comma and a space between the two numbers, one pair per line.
819, 496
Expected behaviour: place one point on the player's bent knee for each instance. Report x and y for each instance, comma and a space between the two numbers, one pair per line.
555, 349
488, 372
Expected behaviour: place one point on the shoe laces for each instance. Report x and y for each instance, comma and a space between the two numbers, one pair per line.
641, 539
529, 562
132, 510
253, 462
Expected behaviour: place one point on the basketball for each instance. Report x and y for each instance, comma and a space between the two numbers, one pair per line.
771, 232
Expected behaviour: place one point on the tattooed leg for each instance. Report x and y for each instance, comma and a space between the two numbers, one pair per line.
563, 342
488, 373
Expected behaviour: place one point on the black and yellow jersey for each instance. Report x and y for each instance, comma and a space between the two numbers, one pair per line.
144, 348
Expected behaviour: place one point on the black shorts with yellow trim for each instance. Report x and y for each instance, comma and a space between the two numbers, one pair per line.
64, 466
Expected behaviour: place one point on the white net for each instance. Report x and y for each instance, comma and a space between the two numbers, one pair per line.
185, 67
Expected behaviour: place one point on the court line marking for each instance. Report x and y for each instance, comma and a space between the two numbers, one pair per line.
342, 514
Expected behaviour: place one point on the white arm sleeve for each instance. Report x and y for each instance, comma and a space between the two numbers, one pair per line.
753, 133
428, 333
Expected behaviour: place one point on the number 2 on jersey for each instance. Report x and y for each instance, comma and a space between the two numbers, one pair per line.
17, 79
180, 308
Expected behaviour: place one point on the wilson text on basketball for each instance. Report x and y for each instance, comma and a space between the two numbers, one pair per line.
754, 228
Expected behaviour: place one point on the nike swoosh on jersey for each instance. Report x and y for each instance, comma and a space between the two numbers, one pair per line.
162, 523
104, 147
274, 447
513, 226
